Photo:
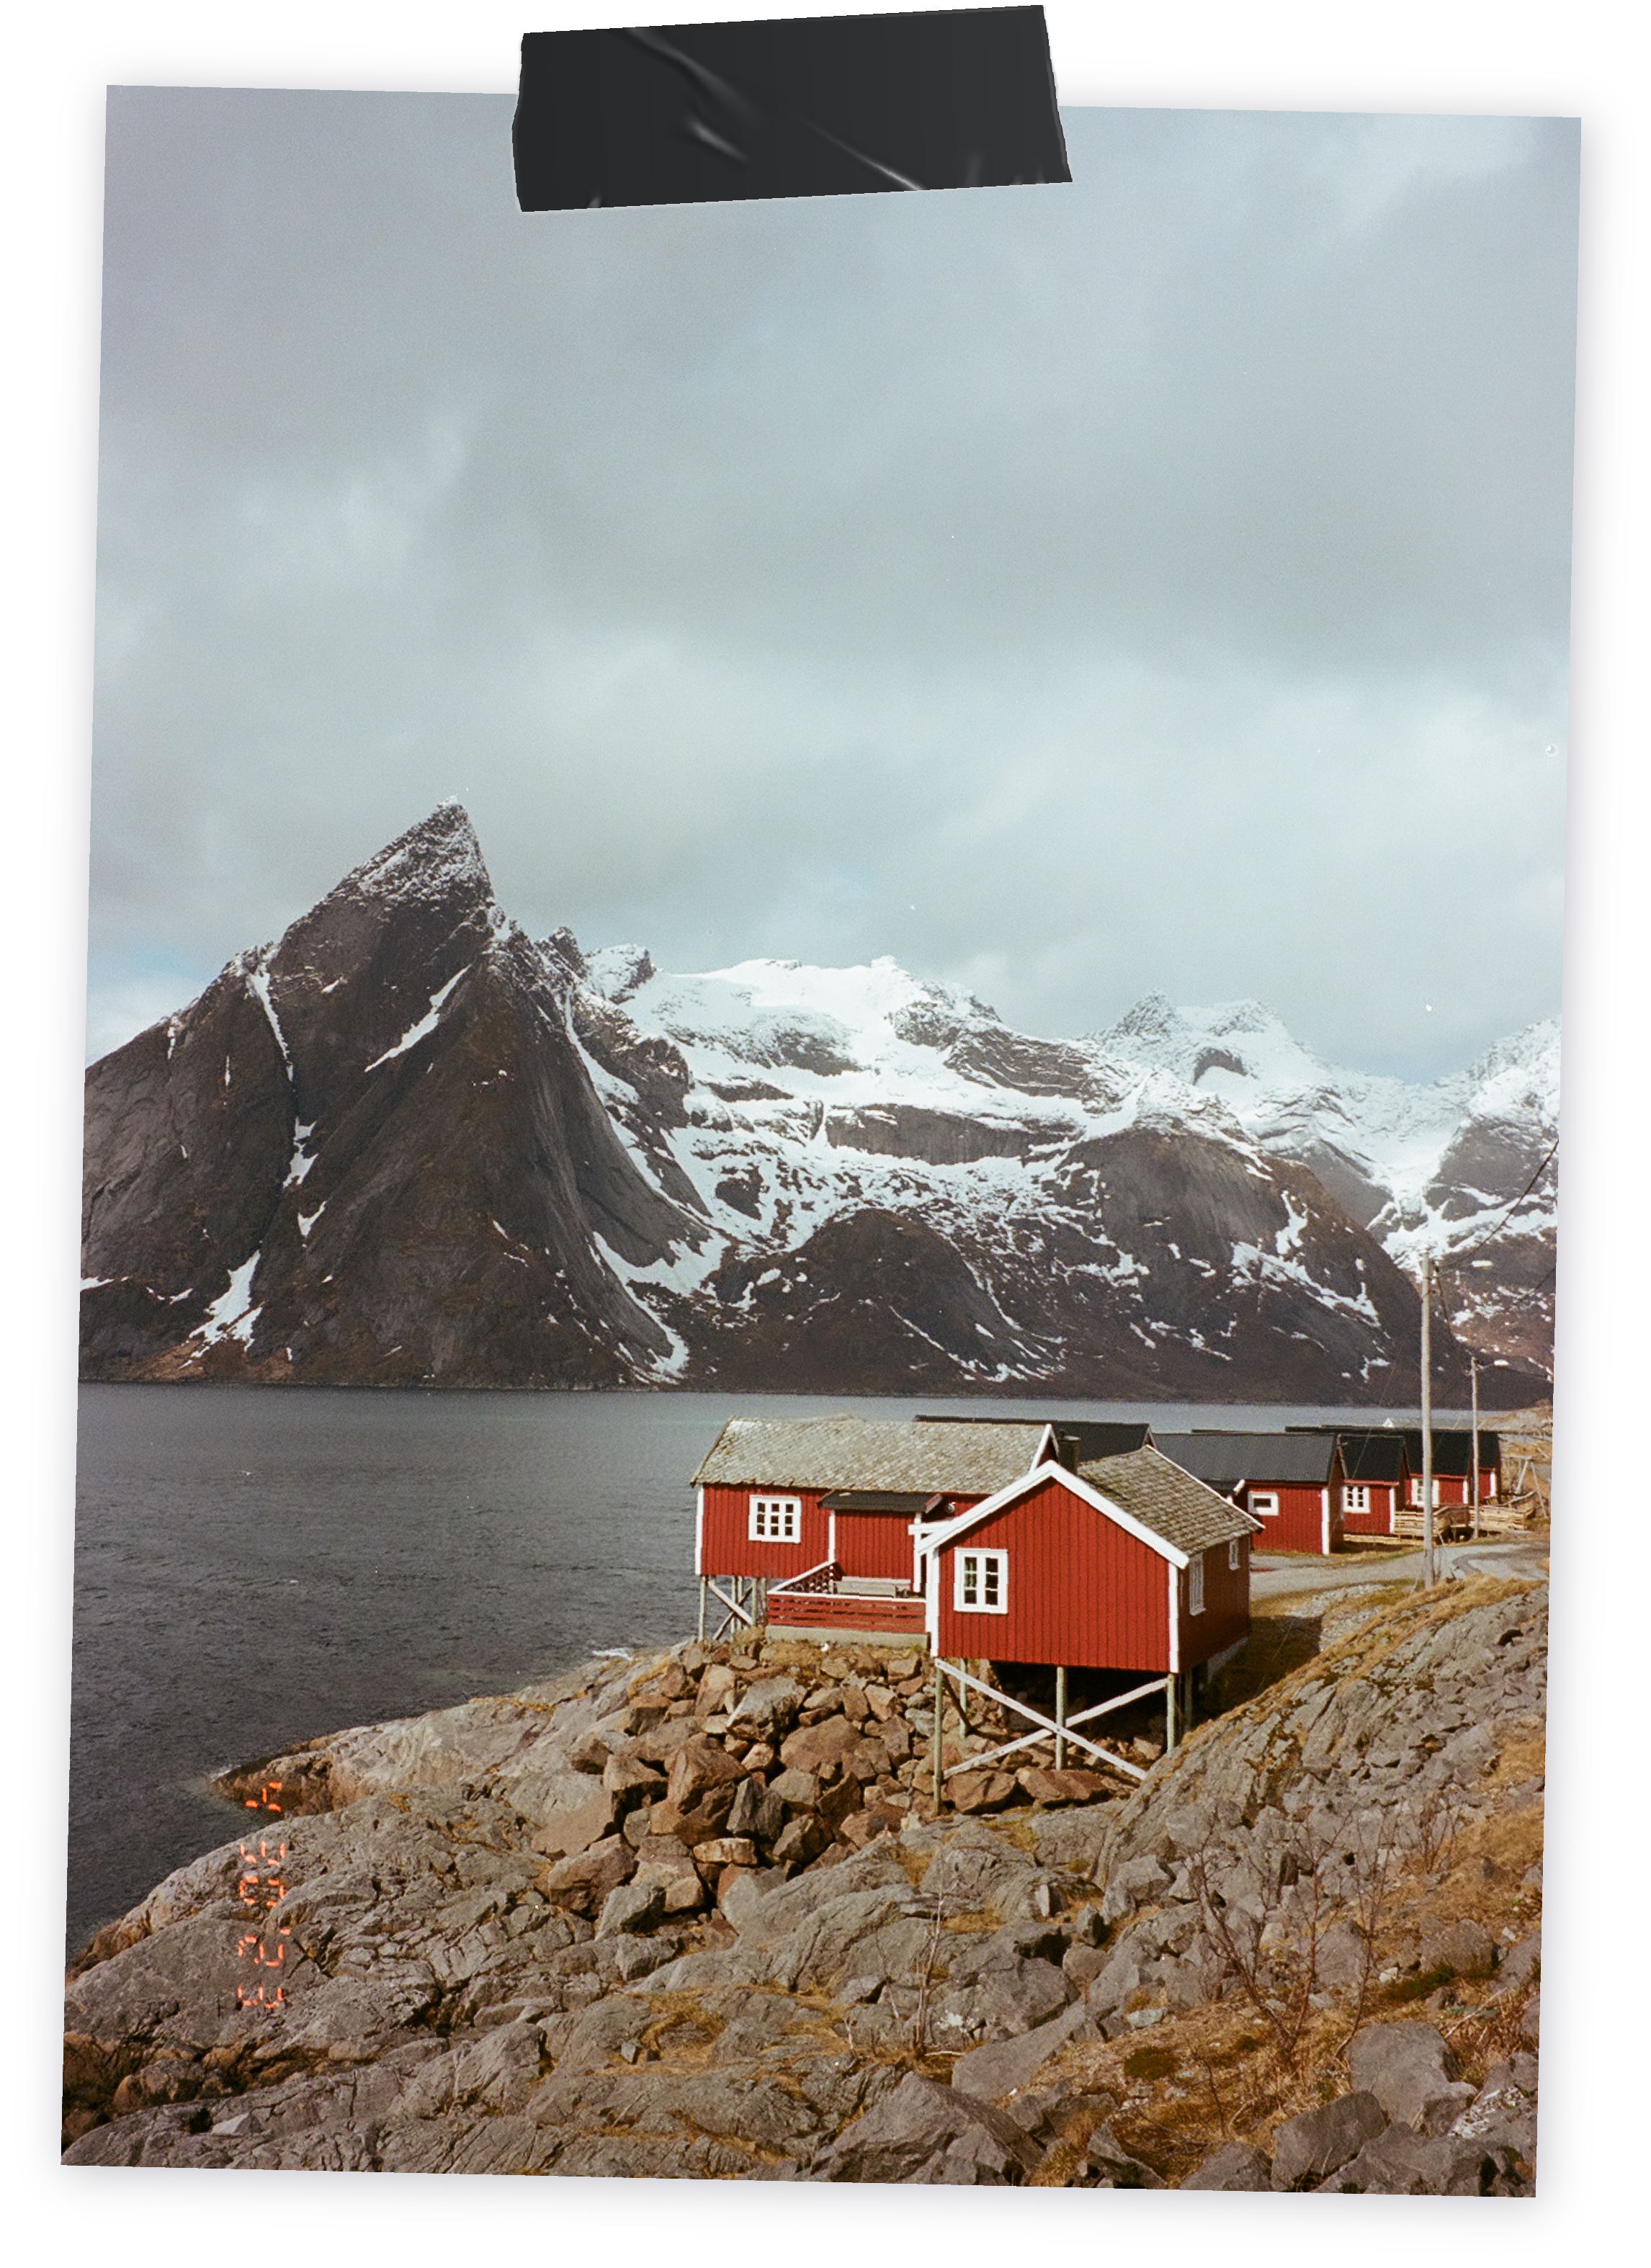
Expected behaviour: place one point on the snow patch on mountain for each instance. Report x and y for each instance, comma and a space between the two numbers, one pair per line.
818, 1092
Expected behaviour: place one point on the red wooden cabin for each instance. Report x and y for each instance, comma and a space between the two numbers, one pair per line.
1453, 1467
1375, 1481
1292, 1482
1383, 1472
812, 1519
1127, 1564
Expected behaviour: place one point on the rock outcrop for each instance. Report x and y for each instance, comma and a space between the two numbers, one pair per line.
692, 1915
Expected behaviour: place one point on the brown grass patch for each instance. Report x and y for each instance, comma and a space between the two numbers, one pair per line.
1522, 1759
688, 2012
1203, 2076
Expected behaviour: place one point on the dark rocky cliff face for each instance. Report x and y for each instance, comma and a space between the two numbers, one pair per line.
414, 1209
405, 1144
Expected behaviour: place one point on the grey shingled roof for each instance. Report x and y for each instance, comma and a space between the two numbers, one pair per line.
1161, 1496
1224, 1460
933, 1457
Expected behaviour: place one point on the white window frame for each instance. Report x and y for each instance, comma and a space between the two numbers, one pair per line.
1264, 1503
1195, 1584
992, 1572
1355, 1496
1232, 1557
774, 1520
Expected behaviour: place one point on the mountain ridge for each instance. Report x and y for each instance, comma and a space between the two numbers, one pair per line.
406, 1144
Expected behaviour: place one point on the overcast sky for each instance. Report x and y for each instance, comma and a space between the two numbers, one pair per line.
1158, 583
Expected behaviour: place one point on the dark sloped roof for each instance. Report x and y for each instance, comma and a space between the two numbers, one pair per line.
1082, 1439
1225, 1460
1451, 1451
1450, 1446
1377, 1456
1165, 1497
929, 1456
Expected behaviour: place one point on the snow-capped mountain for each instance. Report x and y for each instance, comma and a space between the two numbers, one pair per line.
407, 1144
1462, 1167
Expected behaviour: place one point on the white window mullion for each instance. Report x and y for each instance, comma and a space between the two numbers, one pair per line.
980, 1582
775, 1519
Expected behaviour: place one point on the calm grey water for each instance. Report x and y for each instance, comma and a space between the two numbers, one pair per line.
254, 1565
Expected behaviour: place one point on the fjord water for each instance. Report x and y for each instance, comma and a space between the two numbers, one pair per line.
256, 1566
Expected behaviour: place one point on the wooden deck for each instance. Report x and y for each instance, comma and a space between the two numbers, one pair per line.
840, 1613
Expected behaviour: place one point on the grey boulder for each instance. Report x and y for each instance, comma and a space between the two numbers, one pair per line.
1004, 2067
1308, 2148
768, 1707
1234, 2165
634, 1907
1400, 2163
1411, 2073
924, 2132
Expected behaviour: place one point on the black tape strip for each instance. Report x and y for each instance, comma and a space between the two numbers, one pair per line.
819, 107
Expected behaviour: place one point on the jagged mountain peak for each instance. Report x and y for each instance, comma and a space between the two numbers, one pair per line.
440, 857
407, 1142
616, 971
1520, 1072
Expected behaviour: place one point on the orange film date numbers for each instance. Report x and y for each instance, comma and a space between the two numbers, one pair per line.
260, 1887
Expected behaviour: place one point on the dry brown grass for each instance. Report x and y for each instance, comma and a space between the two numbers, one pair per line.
1181, 2087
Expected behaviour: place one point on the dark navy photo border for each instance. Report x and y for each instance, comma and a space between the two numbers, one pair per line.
1593, 892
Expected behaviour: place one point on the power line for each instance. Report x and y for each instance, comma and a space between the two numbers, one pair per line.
1508, 1213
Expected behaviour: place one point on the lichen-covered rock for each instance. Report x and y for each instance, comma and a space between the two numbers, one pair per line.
925, 2133
1413, 2074
1308, 2148
1234, 2165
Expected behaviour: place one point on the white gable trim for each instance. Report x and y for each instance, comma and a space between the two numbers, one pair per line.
938, 1538
1044, 1453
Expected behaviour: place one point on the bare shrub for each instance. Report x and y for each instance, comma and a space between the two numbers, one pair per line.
920, 2021
1374, 1862
1277, 1980
1438, 1822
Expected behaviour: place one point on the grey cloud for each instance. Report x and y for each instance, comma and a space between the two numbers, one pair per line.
1135, 578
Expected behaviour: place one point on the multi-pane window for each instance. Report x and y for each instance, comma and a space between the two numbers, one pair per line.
982, 1582
1195, 1585
1355, 1498
776, 1518
1232, 1557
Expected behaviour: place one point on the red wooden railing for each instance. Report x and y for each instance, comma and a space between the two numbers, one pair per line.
822, 1577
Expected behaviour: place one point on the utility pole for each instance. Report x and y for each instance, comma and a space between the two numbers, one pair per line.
1428, 1570
1473, 1370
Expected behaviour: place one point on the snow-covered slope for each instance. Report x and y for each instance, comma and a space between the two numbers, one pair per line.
813, 1091
406, 1144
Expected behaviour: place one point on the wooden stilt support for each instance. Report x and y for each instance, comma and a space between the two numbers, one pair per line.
1169, 1716
702, 1611
939, 1703
1046, 1726
1060, 1718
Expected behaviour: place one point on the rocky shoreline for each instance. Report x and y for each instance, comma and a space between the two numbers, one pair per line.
692, 1915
